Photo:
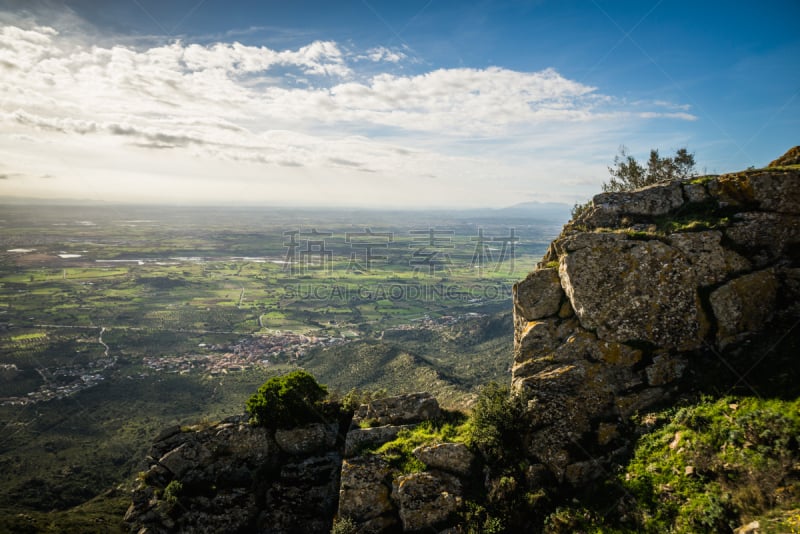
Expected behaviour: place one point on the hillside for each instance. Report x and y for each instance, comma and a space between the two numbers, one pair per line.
451, 361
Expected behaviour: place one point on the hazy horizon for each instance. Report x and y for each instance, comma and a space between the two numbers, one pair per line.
174, 203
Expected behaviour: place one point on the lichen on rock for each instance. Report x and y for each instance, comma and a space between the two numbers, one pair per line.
630, 290
645, 299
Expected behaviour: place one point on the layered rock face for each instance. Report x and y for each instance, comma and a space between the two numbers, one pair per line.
635, 290
234, 477
379, 498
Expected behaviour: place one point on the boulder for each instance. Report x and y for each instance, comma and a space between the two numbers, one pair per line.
426, 500
187, 456
167, 433
695, 193
364, 488
642, 305
538, 296
451, 457
303, 498
710, 261
220, 466
744, 305
665, 368
229, 510
581, 473
582, 240
307, 439
315, 470
790, 294
764, 236
753, 527
378, 525
767, 190
409, 408
650, 201
791, 157
629, 290
243, 440
535, 338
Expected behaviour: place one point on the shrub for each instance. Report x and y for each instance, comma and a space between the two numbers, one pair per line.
476, 519
172, 493
627, 174
344, 525
286, 401
497, 425
356, 397
565, 520
579, 209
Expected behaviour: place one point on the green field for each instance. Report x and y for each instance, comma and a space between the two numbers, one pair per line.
118, 321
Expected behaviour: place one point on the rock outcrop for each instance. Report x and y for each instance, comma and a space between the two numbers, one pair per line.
635, 291
235, 477
380, 498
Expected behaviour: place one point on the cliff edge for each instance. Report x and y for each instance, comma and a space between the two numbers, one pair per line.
641, 295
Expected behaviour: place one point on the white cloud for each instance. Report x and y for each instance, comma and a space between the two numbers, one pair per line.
464, 101
674, 115
381, 53
236, 113
319, 58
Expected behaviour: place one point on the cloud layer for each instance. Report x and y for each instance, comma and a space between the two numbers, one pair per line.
278, 120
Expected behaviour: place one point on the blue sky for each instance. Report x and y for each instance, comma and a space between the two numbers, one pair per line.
411, 104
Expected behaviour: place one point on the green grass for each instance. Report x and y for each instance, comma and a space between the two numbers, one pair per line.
782, 168
741, 453
704, 468
694, 218
30, 336
398, 452
100, 515
703, 180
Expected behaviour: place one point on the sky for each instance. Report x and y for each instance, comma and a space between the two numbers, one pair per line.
411, 104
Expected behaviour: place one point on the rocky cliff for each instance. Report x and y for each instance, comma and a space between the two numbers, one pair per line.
235, 477
645, 295
642, 290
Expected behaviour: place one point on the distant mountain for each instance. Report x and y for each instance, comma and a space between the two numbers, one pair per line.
33, 201
539, 210
553, 212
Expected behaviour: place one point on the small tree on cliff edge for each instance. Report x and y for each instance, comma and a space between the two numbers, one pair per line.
628, 174
286, 401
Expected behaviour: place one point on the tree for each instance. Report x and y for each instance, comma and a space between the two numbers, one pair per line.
286, 401
628, 174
